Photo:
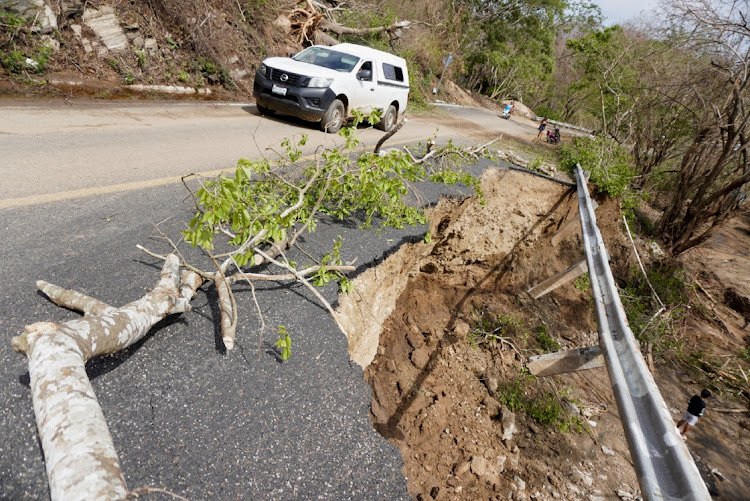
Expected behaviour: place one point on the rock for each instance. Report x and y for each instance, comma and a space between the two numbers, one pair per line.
50, 43
571, 408
462, 468
420, 358
284, 24
516, 455
461, 329
33, 10
106, 26
592, 423
485, 470
151, 46
71, 8
500, 462
415, 338
493, 383
656, 250
623, 494
492, 405
718, 474
87, 48
508, 423
580, 477
519, 482
608, 450
508, 357
238, 74
390, 364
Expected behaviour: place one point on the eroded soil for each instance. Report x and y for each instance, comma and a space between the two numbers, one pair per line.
445, 392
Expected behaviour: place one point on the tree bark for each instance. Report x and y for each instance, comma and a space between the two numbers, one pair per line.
80, 457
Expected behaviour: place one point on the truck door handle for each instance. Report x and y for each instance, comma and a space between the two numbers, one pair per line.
372, 90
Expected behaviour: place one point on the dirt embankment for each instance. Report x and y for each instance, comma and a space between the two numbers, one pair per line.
443, 329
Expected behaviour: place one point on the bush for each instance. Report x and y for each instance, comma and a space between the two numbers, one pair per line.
671, 284
14, 61
547, 343
543, 407
610, 164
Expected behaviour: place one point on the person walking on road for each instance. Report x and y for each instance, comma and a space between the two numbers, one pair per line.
542, 126
695, 409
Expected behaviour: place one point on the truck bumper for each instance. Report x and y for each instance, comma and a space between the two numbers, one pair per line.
302, 102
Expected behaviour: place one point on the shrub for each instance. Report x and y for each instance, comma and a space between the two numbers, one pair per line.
14, 61
610, 164
543, 407
546, 342
670, 283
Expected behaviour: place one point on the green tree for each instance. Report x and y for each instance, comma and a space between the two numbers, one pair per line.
604, 58
509, 46
714, 171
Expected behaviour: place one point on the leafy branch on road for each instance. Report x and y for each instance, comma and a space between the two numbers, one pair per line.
256, 215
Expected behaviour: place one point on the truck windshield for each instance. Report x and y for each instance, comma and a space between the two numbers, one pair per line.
327, 58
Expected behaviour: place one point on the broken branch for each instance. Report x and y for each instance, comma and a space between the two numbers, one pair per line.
80, 457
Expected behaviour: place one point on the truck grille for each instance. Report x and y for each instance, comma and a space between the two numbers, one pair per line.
292, 79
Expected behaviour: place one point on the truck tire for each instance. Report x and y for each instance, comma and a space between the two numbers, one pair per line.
334, 117
388, 120
263, 110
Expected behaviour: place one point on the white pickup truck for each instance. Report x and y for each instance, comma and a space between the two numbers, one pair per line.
324, 84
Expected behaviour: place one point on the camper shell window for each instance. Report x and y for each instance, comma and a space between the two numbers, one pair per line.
391, 72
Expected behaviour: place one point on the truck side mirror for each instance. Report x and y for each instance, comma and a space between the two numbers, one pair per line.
364, 75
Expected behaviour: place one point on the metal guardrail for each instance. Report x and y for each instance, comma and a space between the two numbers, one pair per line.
665, 468
563, 124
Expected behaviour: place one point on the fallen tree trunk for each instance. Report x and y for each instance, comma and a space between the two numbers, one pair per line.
306, 23
80, 457
340, 29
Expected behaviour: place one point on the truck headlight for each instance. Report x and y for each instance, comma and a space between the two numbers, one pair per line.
320, 82
262, 70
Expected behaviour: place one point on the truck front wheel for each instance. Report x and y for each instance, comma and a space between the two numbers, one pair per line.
334, 117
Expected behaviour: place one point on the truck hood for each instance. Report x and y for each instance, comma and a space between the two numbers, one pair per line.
300, 68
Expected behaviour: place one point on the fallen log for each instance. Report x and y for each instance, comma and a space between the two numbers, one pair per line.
79, 454
305, 23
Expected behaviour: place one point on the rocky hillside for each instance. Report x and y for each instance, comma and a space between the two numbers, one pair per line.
110, 46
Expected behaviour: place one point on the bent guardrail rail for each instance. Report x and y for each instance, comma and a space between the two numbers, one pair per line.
563, 124
665, 468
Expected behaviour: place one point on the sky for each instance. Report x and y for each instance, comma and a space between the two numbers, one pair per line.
617, 11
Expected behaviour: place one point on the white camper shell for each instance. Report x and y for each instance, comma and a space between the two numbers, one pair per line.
324, 84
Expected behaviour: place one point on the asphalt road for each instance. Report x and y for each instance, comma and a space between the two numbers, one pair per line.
184, 414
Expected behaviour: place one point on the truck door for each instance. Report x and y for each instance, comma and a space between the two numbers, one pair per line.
366, 90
